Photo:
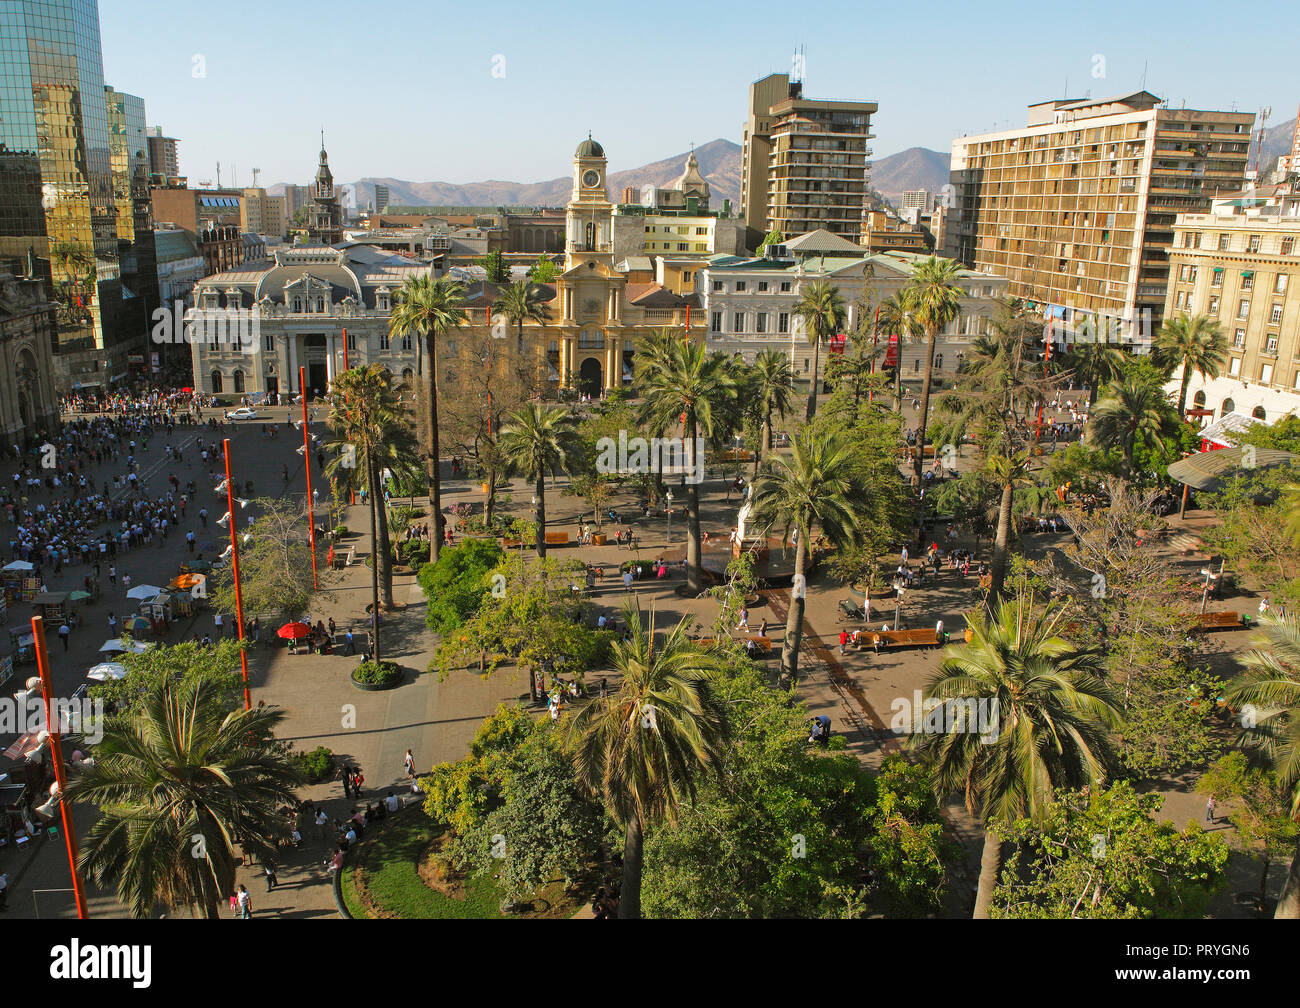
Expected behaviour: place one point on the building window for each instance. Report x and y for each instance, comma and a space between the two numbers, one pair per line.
1270, 345
238, 379
740, 286
760, 322
1276, 315
1239, 339
1243, 308
383, 339
783, 322
1288, 246
717, 286
352, 342
715, 324
1217, 279
1258, 412
268, 344
1234, 368
1279, 285
1214, 306
1247, 281
739, 322
216, 381
1254, 243
1178, 300
1224, 241
762, 286
785, 286
297, 306
406, 341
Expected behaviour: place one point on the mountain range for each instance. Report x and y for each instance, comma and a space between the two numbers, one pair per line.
719, 160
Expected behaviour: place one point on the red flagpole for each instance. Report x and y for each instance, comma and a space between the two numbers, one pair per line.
234, 562
352, 494
306, 464
56, 753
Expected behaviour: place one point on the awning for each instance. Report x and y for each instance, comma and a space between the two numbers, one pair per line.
1208, 470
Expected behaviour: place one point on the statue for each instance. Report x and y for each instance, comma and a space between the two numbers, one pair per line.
743, 516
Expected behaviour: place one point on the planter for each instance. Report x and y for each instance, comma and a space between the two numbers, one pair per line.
388, 681
598, 539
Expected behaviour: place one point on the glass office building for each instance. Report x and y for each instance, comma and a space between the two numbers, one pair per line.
55, 157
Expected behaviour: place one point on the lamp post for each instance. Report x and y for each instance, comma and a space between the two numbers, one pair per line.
669, 498
234, 566
306, 465
56, 755
1205, 591
899, 588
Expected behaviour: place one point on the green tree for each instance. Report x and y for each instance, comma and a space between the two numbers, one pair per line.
1268, 691
773, 237
772, 391
812, 490
543, 271
1051, 712
274, 564
1094, 364
1194, 343
180, 784
498, 270
898, 319
644, 749
535, 442
520, 302
1131, 409
457, 585
1100, 854
935, 298
430, 309
185, 663
1261, 809
680, 383
821, 307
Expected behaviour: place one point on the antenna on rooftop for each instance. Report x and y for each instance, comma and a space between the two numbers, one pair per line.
1145, 64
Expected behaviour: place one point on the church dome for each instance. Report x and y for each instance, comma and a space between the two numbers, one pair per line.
589, 148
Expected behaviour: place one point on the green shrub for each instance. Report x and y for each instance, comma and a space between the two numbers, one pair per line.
414, 553
341, 531
457, 584
383, 673
317, 765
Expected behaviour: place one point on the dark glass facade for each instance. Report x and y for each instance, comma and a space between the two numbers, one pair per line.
53, 110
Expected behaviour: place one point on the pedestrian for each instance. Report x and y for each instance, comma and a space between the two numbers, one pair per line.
203, 516
345, 775
1209, 809
844, 639
409, 760
323, 824
112, 624
112, 574
357, 780
126, 583
216, 618
65, 632
627, 580
245, 904
352, 646
271, 880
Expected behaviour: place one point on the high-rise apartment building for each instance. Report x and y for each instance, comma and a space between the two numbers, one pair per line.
1239, 263
916, 199
54, 136
804, 162
381, 198
128, 152
163, 159
1077, 209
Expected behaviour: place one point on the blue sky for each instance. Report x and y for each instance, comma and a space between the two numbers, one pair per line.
504, 90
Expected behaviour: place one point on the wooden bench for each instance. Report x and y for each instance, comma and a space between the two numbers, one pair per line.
761, 643
1219, 621
903, 638
557, 538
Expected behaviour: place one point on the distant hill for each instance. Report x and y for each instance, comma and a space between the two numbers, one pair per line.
914, 168
1277, 141
719, 164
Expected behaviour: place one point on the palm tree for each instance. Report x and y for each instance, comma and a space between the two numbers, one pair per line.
1132, 408
429, 309
1196, 344
898, 318
822, 309
813, 489
1096, 364
773, 388
643, 749
536, 441
1050, 710
680, 383
1269, 692
367, 417
937, 301
180, 784
520, 302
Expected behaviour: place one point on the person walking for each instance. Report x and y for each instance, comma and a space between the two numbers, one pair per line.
351, 642
126, 583
1209, 809
112, 574
271, 880
844, 640
323, 824
112, 624
409, 760
245, 904
345, 775
627, 580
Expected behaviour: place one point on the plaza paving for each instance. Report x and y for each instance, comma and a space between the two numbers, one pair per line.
436, 719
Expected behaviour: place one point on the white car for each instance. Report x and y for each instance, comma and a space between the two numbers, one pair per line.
243, 413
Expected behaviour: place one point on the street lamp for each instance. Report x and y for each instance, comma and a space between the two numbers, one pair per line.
899, 588
1207, 574
669, 498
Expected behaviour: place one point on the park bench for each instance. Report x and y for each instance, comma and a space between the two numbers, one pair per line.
849, 611
882, 639
761, 643
557, 538
1219, 621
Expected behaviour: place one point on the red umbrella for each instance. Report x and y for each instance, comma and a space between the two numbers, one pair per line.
294, 631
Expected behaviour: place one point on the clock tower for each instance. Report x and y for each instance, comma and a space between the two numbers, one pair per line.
589, 218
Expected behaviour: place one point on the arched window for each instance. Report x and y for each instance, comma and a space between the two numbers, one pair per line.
1198, 400
238, 379
216, 381
1258, 413
408, 376
1228, 407
938, 361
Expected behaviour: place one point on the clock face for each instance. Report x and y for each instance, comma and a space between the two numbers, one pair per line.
591, 178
